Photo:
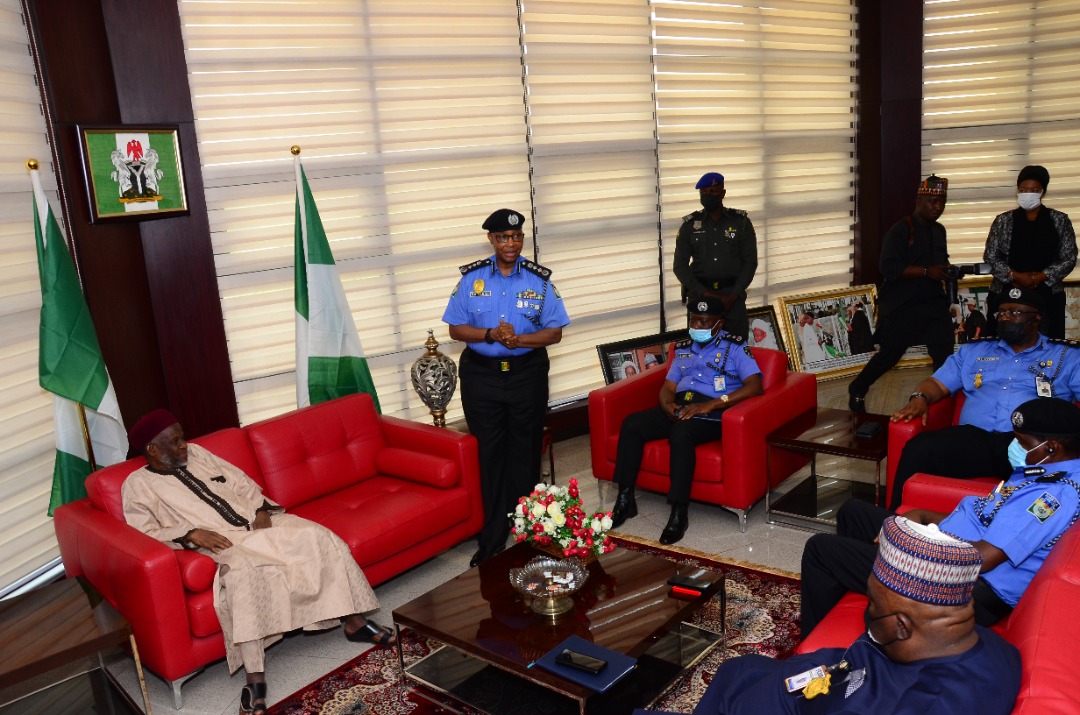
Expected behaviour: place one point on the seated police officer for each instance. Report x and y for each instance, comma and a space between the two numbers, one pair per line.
711, 372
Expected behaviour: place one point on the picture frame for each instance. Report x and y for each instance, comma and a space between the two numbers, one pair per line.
970, 313
823, 334
766, 331
639, 354
1072, 309
133, 172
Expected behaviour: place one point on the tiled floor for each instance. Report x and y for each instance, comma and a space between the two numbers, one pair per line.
299, 659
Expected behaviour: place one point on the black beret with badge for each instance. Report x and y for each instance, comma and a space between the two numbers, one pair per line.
1047, 417
706, 306
1015, 294
504, 220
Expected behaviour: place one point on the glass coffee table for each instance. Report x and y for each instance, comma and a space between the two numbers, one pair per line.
490, 637
813, 501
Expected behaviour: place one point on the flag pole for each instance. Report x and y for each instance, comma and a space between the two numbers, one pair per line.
34, 166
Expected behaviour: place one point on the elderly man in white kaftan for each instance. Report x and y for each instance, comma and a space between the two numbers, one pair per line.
277, 572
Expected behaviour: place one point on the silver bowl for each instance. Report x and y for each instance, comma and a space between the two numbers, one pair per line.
549, 582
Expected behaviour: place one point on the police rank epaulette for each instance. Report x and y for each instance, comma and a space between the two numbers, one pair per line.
684, 343
536, 268
737, 212
1064, 341
690, 216
474, 265
738, 339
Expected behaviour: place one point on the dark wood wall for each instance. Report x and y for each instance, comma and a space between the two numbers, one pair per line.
150, 284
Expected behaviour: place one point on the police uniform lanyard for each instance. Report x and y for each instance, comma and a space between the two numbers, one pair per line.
723, 373
1006, 493
1044, 386
539, 308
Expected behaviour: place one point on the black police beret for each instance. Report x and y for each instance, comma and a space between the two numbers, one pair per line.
504, 220
1023, 296
706, 306
1047, 417
1036, 172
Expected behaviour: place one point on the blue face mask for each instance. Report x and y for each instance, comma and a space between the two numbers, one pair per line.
1018, 455
702, 335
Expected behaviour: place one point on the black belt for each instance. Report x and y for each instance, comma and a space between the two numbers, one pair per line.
508, 363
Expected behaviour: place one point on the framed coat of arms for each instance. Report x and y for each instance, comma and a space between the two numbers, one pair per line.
133, 172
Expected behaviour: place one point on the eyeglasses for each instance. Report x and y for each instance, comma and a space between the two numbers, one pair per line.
501, 238
1013, 314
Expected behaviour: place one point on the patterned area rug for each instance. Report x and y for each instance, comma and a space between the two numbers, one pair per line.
762, 617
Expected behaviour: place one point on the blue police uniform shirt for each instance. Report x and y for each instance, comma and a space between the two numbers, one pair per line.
715, 368
525, 299
1030, 517
996, 380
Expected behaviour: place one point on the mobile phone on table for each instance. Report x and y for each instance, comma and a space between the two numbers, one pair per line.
580, 661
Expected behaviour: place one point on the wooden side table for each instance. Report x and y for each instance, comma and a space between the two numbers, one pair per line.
814, 500
57, 625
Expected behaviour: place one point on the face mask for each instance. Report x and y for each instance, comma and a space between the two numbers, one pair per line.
869, 632
710, 202
1012, 332
702, 335
1029, 201
1018, 455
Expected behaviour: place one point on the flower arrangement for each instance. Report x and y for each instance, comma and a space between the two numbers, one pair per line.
554, 516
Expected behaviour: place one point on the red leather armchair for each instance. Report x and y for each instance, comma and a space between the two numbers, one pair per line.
396, 492
1043, 626
730, 472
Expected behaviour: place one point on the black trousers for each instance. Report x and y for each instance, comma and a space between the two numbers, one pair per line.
1053, 322
899, 332
682, 436
832, 565
961, 452
505, 412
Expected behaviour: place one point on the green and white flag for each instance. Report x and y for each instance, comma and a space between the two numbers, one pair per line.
70, 365
329, 360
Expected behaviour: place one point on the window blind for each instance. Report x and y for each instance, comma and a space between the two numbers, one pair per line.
27, 446
766, 96
999, 92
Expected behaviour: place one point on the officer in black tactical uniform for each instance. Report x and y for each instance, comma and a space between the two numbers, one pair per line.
716, 254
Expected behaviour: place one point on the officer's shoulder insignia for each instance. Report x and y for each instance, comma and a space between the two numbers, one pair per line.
746, 349
684, 344
1064, 341
536, 268
733, 338
689, 217
738, 212
474, 265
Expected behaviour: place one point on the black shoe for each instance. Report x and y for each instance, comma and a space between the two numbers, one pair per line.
677, 524
485, 553
856, 403
625, 507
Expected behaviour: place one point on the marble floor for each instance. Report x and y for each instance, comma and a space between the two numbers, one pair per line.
302, 658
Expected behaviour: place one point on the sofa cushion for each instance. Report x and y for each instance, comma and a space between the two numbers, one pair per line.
773, 365
232, 445
309, 453
657, 458
201, 614
417, 467
196, 570
383, 515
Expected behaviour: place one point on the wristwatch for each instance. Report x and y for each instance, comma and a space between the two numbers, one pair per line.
725, 398
487, 337
913, 395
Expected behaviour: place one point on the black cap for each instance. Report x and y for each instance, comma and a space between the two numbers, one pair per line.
706, 306
1036, 172
504, 220
1023, 296
1047, 417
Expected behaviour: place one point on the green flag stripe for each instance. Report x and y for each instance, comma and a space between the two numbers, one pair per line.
69, 478
300, 289
318, 248
330, 377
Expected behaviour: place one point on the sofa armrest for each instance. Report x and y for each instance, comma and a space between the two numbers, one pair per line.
939, 416
611, 404
459, 448
138, 574
417, 467
745, 427
927, 491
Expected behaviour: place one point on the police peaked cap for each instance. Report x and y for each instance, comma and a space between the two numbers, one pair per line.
711, 179
706, 306
1023, 296
1047, 417
504, 220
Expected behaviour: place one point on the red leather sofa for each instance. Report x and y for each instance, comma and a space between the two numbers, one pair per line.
396, 492
1043, 626
730, 472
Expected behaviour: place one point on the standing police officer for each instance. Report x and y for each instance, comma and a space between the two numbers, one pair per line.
507, 311
712, 371
716, 254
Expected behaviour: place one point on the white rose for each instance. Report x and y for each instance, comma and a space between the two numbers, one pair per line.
541, 487
539, 510
554, 508
549, 528
519, 510
606, 523
559, 519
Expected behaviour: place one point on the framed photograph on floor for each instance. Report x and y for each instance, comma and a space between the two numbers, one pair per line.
1072, 310
765, 330
133, 172
969, 313
627, 358
830, 333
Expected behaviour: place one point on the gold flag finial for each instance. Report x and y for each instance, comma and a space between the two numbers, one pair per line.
32, 164
295, 150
